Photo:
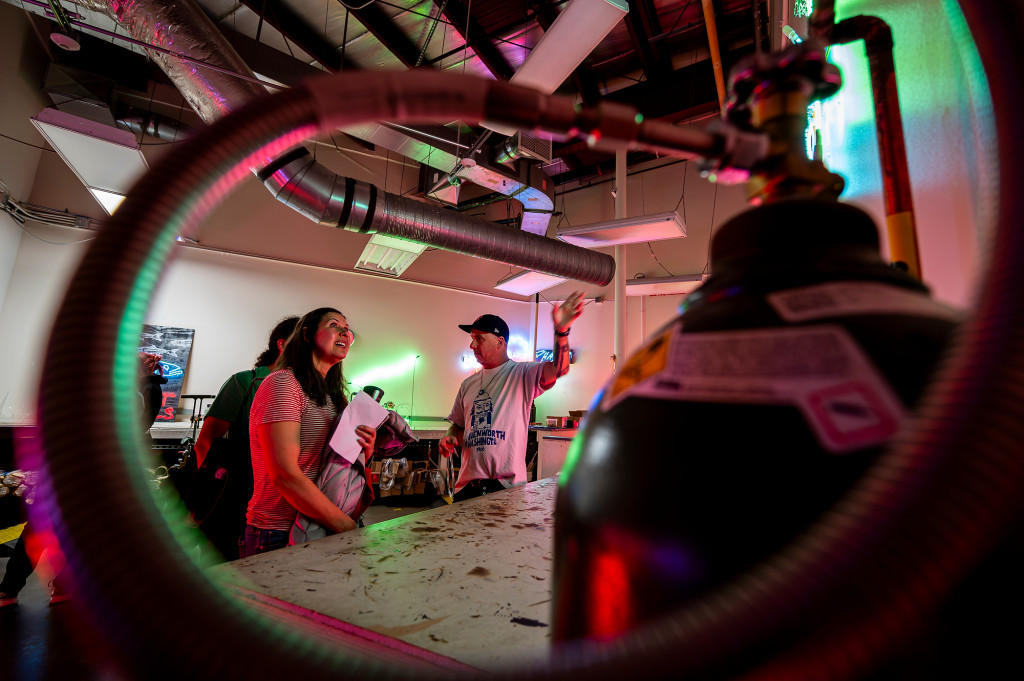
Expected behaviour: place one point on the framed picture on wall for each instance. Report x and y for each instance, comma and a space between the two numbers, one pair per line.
174, 345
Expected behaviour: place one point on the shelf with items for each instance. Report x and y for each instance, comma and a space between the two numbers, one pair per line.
413, 474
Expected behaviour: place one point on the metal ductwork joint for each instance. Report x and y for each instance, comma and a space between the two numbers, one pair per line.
295, 180
152, 124
298, 180
524, 182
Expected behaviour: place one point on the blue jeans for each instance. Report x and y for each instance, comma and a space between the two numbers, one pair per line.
256, 540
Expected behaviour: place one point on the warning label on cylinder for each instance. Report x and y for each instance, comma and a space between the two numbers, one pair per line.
646, 362
819, 369
844, 298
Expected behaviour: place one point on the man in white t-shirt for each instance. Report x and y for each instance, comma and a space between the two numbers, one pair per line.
491, 416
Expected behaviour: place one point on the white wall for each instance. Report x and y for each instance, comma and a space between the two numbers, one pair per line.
38, 282
20, 150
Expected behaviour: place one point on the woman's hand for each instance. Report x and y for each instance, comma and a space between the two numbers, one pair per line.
366, 437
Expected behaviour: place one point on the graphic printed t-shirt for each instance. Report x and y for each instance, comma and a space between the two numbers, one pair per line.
493, 409
268, 509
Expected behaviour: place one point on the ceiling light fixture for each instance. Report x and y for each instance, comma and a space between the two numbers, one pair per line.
388, 255
65, 37
528, 282
664, 286
625, 230
107, 160
574, 34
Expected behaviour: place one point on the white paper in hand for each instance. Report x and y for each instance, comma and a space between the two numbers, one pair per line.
362, 410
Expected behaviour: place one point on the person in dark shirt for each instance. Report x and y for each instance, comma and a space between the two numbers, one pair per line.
229, 415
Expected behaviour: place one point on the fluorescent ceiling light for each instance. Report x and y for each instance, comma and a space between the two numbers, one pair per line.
527, 283
573, 35
625, 230
388, 255
109, 200
106, 159
664, 286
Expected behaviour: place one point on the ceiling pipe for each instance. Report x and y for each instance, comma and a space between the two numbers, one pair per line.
531, 186
621, 336
716, 55
901, 228
153, 124
303, 184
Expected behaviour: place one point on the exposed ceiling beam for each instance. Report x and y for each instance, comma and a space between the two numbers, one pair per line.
102, 57
734, 27
476, 37
723, 46
678, 92
293, 27
384, 29
266, 60
642, 23
269, 62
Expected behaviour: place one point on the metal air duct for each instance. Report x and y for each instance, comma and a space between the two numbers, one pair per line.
203, 67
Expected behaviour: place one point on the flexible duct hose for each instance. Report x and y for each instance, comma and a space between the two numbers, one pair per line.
899, 517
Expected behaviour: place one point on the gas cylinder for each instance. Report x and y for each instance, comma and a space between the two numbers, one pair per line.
738, 423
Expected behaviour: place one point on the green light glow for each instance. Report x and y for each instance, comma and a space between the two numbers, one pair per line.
169, 505
937, 73
847, 124
571, 458
813, 123
376, 374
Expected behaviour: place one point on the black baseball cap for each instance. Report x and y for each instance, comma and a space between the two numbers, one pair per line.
488, 323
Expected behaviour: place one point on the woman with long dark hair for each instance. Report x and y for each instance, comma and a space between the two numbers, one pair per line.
289, 425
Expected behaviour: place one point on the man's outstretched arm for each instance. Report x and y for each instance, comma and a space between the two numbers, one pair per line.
562, 318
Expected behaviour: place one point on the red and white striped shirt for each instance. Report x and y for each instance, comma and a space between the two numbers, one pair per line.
280, 398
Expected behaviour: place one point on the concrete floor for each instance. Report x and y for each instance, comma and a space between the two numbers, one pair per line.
39, 642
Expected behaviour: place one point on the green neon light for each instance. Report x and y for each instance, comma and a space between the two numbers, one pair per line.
376, 374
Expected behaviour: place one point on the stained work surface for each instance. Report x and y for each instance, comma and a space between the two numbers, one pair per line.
470, 581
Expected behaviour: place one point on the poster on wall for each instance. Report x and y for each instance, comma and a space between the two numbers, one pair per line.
174, 345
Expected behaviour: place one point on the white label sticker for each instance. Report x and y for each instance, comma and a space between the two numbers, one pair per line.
819, 369
845, 298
